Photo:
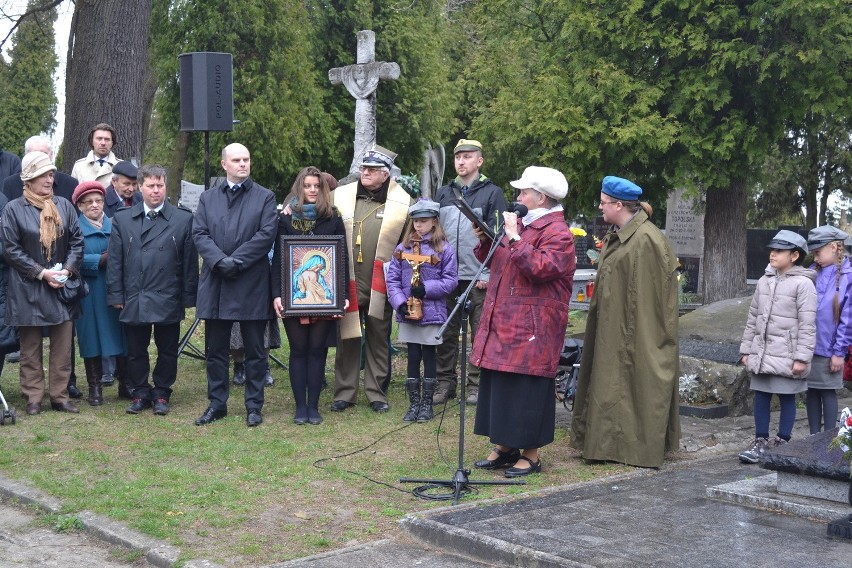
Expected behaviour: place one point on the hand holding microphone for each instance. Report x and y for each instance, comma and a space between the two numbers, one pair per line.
510, 219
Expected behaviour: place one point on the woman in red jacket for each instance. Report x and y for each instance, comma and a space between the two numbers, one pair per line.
523, 325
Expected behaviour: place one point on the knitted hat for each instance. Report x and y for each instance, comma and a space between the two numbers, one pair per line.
85, 188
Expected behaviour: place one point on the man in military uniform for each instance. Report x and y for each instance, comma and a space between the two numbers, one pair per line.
374, 210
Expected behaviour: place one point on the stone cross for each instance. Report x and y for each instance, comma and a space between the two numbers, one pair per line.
361, 81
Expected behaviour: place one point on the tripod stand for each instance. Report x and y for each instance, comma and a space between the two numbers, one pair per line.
460, 481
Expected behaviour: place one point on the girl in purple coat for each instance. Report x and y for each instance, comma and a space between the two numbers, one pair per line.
833, 325
438, 278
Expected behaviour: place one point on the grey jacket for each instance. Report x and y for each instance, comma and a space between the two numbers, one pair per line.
153, 267
780, 328
484, 198
30, 301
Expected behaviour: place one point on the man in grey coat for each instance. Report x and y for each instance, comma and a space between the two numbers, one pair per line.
152, 276
235, 225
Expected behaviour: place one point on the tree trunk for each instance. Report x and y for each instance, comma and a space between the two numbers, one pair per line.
105, 81
178, 165
725, 242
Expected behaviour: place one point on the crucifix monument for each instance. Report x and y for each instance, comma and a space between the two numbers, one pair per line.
361, 81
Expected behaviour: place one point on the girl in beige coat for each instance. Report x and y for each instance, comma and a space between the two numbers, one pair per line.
779, 337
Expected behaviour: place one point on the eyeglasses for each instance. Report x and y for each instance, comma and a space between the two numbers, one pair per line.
371, 169
89, 202
602, 202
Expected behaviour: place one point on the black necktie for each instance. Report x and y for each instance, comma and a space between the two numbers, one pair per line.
101, 162
153, 214
236, 188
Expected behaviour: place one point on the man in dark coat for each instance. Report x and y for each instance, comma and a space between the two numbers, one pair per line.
152, 275
63, 184
235, 225
10, 164
122, 192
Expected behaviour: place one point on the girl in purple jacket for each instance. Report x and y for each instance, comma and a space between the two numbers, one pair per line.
438, 278
833, 325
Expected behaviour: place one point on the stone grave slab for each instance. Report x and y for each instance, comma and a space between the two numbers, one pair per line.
810, 468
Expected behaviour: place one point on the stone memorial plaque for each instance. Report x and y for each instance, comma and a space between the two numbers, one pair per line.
684, 227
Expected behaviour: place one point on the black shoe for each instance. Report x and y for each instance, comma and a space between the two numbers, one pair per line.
108, 380
379, 406
301, 416
123, 391
138, 405
253, 418
340, 405
64, 407
239, 374
314, 416
161, 406
268, 380
534, 467
209, 416
504, 459
14, 357
74, 392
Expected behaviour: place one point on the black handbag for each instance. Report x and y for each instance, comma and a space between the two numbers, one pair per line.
73, 291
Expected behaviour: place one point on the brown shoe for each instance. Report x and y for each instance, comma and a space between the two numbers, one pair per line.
442, 393
33, 408
472, 396
64, 407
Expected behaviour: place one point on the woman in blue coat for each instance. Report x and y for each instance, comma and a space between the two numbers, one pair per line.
99, 333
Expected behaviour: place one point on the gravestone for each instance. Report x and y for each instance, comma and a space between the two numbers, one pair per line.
685, 231
810, 468
361, 80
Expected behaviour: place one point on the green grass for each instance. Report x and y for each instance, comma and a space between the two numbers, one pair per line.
242, 496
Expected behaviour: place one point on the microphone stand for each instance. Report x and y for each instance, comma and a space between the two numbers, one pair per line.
460, 481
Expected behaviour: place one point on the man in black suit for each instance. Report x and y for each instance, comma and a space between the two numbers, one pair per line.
234, 227
63, 184
152, 275
122, 192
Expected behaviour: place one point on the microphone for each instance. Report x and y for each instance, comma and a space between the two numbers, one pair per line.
520, 210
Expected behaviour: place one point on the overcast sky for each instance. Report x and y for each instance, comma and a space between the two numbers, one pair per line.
62, 28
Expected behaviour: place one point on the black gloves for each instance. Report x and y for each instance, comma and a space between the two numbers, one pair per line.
418, 291
403, 311
229, 267
103, 260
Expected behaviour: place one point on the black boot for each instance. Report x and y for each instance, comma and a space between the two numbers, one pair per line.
413, 388
425, 412
121, 377
73, 391
239, 373
94, 370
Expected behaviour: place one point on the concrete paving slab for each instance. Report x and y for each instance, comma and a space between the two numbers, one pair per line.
662, 518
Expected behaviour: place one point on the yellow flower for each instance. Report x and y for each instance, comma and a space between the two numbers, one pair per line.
578, 232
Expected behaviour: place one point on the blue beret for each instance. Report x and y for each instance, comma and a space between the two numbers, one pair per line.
621, 188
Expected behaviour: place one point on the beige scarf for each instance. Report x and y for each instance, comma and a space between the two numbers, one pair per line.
50, 223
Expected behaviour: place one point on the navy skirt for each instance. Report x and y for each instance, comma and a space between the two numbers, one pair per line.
514, 410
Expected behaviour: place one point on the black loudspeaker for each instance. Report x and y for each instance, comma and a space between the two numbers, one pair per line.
206, 91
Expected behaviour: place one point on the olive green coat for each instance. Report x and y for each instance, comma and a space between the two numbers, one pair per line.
626, 407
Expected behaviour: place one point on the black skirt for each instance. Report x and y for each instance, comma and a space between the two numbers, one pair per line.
518, 411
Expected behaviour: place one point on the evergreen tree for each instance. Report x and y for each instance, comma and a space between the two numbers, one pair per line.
277, 97
26, 82
670, 93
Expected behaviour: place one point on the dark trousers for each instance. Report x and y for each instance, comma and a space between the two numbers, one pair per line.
166, 338
218, 342
308, 354
448, 351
